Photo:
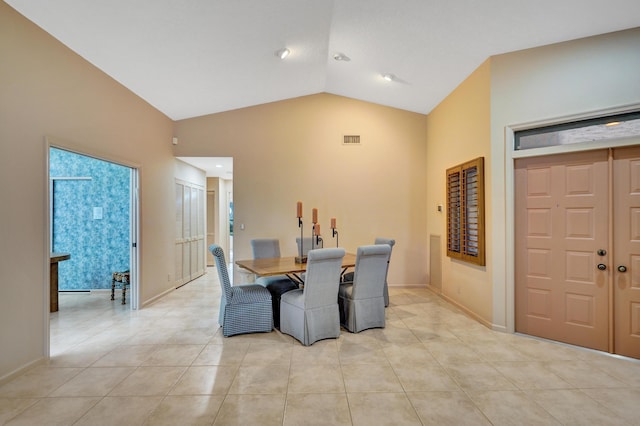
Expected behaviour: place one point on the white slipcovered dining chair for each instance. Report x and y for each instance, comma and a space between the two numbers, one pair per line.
243, 308
361, 301
265, 248
307, 244
311, 314
349, 275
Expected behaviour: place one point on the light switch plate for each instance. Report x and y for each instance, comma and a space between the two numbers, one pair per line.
97, 213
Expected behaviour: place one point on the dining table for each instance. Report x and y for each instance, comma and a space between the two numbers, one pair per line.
287, 266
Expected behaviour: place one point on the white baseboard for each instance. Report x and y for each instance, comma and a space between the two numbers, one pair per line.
159, 296
12, 375
467, 311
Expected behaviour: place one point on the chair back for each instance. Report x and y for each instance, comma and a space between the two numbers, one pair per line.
221, 266
370, 272
306, 245
264, 248
391, 243
323, 277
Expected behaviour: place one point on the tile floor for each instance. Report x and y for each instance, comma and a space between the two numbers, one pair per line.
168, 364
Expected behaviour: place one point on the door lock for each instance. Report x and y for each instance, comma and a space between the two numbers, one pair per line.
602, 266
622, 268
602, 252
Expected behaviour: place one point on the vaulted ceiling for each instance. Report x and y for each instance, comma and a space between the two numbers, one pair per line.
190, 58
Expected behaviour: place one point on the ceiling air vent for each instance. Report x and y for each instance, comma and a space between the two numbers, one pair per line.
351, 140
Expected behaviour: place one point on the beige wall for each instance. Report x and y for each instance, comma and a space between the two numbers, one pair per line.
549, 83
292, 150
47, 90
284, 152
190, 174
458, 131
545, 83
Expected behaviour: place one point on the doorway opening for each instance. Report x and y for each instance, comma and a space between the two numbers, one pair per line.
92, 221
219, 204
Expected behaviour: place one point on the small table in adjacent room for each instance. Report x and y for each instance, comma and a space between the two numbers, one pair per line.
54, 258
123, 279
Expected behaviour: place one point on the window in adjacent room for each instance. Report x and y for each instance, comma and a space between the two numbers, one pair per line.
465, 212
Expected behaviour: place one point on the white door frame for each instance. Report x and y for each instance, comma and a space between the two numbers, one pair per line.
134, 224
134, 249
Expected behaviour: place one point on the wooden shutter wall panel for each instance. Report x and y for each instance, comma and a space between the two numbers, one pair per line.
470, 200
454, 205
465, 212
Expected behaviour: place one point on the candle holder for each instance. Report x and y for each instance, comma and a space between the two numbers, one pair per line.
313, 237
316, 239
335, 235
300, 258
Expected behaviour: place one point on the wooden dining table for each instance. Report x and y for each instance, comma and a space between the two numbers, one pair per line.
286, 266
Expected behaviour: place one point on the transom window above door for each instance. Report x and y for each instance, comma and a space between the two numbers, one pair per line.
589, 130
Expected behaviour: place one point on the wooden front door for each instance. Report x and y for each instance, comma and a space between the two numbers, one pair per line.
626, 261
578, 249
562, 221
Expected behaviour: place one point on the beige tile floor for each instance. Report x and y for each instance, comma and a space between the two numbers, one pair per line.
168, 364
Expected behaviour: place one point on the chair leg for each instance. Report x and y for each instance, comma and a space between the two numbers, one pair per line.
124, 293
113, 289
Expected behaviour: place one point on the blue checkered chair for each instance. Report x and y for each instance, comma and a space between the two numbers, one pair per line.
243, 308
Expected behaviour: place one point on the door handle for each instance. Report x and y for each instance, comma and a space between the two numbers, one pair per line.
602, 266
622, 268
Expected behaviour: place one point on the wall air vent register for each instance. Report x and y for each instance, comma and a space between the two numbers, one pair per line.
351, 140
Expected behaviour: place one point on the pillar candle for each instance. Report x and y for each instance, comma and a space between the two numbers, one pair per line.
299, 211
333, 223
315, 216
317, 228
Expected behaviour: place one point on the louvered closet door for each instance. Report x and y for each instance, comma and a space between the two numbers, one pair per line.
180, 240
186, 235
562, 208
197, 237
190, 233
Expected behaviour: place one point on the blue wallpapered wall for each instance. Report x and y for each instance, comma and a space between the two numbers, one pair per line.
97, 246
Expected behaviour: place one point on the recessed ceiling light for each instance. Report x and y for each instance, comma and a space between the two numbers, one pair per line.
219, 166
612, 123
282, 53
389, 77
341, 57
